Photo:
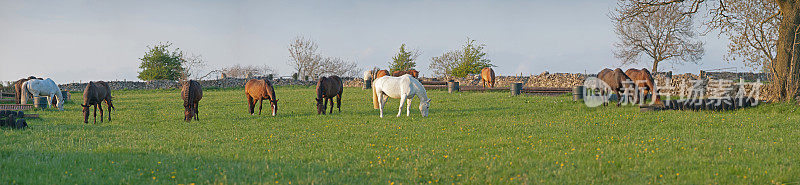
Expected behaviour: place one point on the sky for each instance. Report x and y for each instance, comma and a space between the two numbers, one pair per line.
83, 40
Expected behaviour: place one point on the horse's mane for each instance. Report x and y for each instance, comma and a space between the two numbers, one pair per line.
421, 92
320, 87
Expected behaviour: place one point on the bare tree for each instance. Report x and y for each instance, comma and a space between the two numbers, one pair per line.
663, 34
752, 27
193, 64
304, 57
784, 85
306, 61
339, 67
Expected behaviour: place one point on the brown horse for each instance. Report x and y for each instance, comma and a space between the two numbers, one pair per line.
487, 76
18, 87
380, 73
258, 91
191, 93
617, 80
644, 82
412, 72
327, 88
94, 94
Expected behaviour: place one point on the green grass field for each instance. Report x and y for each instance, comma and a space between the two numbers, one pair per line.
472, 138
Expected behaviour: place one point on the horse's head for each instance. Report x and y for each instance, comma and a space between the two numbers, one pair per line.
320, 108
85, 113
274, 103
423, 107
188, 113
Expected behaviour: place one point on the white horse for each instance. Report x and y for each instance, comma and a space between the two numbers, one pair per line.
404, 88
44, 87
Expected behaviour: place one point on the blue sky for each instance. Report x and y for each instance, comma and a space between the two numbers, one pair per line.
72, 41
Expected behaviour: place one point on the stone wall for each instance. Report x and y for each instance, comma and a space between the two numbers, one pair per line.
676, 85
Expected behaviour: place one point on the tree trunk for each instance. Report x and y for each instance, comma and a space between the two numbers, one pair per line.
655, 66
786, 69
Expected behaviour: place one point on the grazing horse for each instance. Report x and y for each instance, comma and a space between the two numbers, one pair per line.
191, 93
617, 80
412, 72
18, 87
94, 94
44, 87
258, 91
405, 88
644, 82
487, 76
327, 88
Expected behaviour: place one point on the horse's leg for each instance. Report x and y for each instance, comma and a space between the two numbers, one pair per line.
197, 111
339, 102
381, 102
484, 84
324, 105
260, 105
49, 102
100, 106
251, 104
331, 99
400, 109
95, 114
408, 106
108, 103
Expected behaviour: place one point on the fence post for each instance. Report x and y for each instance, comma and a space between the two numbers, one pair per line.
516, 89
452, 86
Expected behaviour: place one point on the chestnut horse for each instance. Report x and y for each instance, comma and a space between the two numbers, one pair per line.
327, 88
644, 84
258, 91
617, 81
191, 93
487, 76
412, 72
94, 94
379, 74
18, 87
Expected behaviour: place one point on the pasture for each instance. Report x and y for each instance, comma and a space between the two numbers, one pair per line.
469, 137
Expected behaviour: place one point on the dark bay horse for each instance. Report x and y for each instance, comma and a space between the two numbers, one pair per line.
258, 91
412, 72
94, 94
487, 76
644, 82
617, 80
327, 88
191, 93
18, 87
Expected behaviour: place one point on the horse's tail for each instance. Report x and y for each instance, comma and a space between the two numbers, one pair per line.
374, 96
24, 93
